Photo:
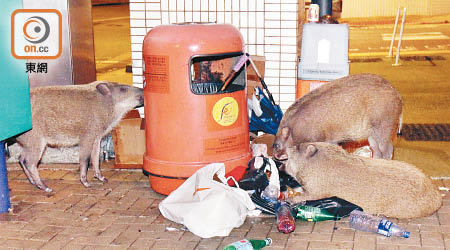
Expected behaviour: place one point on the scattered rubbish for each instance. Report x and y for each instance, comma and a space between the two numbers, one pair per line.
107, 148
263, 205
335, 206
310, 213
370, 223
271, 193
285, 220
264, 115
263, 171
174, 229
237, 173
248, 244
287, 181
206, 205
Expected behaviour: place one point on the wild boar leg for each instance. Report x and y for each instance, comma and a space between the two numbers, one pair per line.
385, 135
85, 154
29, 160
381, 140
387, 149
95, 160
374, 146
22, 162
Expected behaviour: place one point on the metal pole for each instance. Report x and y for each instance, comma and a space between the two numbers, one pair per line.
400, 39
5, 204
393, 33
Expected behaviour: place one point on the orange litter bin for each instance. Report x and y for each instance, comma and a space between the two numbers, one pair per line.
190, 122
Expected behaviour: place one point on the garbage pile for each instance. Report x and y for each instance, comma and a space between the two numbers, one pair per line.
211, 203
217, 203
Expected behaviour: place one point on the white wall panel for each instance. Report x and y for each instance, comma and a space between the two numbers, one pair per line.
269, 28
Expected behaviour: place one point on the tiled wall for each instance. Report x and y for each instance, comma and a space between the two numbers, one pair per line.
269, 28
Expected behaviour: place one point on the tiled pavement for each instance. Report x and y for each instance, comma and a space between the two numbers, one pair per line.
123, 214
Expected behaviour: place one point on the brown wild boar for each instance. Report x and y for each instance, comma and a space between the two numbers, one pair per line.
74, 114
352, 108
388, 187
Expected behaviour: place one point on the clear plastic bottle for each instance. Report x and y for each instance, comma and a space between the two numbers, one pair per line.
285, 220
370, 223
250, 244
271, 193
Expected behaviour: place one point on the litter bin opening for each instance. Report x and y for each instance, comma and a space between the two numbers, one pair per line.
208, 73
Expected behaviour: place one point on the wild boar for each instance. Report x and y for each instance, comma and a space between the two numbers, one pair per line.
74, 114
379, 186
352, 108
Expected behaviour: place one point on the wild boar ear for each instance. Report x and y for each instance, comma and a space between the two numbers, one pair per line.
311, 150
285, 133
103, 89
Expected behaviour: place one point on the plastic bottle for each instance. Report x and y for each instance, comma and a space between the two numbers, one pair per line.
271, 193
310, 213
369, 223
285, 220
246, 244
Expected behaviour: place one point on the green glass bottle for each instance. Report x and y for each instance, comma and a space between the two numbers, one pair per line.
309, 213
246, 244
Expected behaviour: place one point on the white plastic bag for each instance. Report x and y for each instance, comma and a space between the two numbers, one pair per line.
207, 207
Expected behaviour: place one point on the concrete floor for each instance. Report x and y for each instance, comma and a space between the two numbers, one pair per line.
123, 213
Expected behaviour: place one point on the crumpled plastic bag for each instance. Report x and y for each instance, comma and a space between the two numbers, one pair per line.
206, 205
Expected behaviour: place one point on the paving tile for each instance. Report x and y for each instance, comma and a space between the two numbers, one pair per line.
141, 204
21, 244
73, 245
188, 236
340, 235
57, 242
109, 247
304, 227
364, 241
162, 235
410, 248
136, 176
208, 244
15, 234
47, 233
142, 243
432, 239
296, 244
125, 238
444, 218
278, 239
330, 245
324, 227
95, 240
315, 236
387, 247
169, 245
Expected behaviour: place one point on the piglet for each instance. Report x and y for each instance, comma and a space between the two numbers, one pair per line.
71, 115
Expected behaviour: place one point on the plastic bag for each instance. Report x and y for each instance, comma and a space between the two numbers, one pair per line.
334, 205
205, 206
265, 115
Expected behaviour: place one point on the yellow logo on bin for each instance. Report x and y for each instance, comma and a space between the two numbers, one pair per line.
225, 111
